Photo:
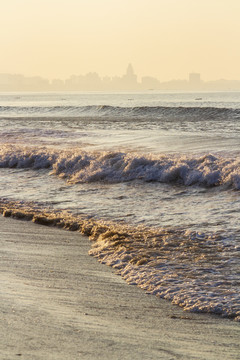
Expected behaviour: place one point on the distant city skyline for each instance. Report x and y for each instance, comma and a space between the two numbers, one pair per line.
92, 81
164, 39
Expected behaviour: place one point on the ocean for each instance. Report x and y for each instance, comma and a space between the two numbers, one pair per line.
153, 178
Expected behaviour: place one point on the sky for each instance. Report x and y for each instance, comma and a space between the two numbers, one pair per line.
166, 39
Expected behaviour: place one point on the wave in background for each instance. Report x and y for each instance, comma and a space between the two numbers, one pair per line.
157, 112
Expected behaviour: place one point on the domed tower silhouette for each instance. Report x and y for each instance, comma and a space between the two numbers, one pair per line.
130, 71
129, 80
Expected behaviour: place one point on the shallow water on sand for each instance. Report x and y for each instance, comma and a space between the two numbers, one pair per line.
155, 179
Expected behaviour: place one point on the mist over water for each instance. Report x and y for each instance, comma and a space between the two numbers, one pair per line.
154, 177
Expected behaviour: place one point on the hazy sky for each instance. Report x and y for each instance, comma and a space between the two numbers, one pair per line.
166, 39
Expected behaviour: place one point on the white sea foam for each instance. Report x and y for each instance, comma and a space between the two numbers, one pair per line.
78, 166
197, 271
188, 252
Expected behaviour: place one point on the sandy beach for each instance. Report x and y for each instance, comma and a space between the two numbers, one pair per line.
59, 303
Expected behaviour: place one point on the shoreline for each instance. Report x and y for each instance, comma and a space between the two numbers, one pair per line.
58, 302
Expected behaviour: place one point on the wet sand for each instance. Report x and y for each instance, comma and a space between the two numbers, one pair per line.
56, 302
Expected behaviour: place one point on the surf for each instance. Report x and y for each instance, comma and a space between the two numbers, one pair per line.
123, 112
79, 166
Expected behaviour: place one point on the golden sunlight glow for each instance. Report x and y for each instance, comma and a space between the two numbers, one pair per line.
166, 39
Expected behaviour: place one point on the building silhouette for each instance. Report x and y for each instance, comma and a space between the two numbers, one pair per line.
128, 81
194, 80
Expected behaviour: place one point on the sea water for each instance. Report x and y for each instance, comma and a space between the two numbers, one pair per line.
152, 178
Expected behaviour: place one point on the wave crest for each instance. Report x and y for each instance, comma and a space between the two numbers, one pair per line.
116, 167
156, 112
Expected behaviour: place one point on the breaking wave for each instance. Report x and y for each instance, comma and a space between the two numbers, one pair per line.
115, 167
156, 112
